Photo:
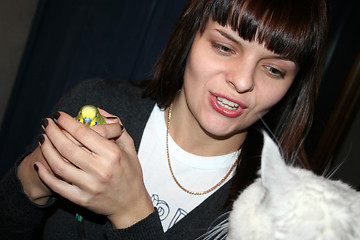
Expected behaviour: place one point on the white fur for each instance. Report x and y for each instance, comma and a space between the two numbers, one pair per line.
292, 203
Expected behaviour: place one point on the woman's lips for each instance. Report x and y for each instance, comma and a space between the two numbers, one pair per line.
226, 106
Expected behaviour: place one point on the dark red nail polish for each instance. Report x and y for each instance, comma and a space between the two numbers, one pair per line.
44, 122
56, 115
36, 167
41, 139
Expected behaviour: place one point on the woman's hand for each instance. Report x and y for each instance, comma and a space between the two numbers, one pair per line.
101, 170
33, 187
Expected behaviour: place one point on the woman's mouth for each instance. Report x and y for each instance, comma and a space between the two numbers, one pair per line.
226, 107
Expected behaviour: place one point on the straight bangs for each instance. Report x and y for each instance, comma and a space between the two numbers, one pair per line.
285, 27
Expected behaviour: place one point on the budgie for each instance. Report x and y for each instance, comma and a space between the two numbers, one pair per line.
90, 116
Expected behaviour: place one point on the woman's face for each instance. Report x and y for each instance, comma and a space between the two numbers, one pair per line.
229, 83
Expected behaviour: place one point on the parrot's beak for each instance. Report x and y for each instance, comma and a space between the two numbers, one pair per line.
87, 121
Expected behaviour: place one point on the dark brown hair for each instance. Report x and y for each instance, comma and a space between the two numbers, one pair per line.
294, 29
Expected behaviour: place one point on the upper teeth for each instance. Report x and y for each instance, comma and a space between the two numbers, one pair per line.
226, 103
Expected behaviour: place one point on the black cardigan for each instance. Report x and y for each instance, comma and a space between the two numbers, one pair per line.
21, 219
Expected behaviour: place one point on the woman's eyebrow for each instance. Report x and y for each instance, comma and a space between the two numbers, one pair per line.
228, 36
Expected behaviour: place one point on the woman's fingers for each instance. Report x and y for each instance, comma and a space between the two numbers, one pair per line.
61, 187
125, 141
68, 159
82, 146
66, 147
91, 139
60, 167
110, 130
107, 116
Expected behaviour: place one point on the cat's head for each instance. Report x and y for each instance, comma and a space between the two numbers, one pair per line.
292, 203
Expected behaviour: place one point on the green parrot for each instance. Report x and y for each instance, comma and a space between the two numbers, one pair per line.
90, 116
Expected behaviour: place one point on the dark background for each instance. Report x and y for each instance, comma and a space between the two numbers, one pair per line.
72, 40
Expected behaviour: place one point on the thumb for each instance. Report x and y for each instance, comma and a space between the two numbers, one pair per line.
109, 118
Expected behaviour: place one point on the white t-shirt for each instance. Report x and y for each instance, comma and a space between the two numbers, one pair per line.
195, 173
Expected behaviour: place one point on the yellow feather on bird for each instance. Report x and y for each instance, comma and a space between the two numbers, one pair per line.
90, 116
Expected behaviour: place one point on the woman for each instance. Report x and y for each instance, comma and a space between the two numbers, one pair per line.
228, 64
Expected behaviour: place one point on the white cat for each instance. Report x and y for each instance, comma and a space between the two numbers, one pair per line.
291, 203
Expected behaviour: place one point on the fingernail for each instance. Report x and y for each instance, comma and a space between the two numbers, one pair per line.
56, 115
44, 122
122, 128
111, 117
41, 139
36, 167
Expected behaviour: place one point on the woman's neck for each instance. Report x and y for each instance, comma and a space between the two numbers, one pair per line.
190, 136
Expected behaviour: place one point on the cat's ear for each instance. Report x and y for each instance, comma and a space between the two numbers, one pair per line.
274, 172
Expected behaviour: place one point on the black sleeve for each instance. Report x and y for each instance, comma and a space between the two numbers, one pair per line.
19, 217
149, 228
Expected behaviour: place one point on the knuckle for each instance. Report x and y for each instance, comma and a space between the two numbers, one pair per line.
101, 130
106, 174
84, 200
80, 132
58, 169
93, 189
105, 177
68, 150
115, 154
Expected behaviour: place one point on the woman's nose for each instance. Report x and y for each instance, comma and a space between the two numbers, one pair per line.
241, 78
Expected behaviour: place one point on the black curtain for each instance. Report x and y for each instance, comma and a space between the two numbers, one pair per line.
343, 46
72, 40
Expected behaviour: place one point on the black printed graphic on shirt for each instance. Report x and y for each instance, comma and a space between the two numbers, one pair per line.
162, 207
180, 214
165, 211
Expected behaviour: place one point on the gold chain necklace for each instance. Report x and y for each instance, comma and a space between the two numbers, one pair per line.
171, 170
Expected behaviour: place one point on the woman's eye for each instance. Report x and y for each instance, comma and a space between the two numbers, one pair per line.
222, 49
275, 72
